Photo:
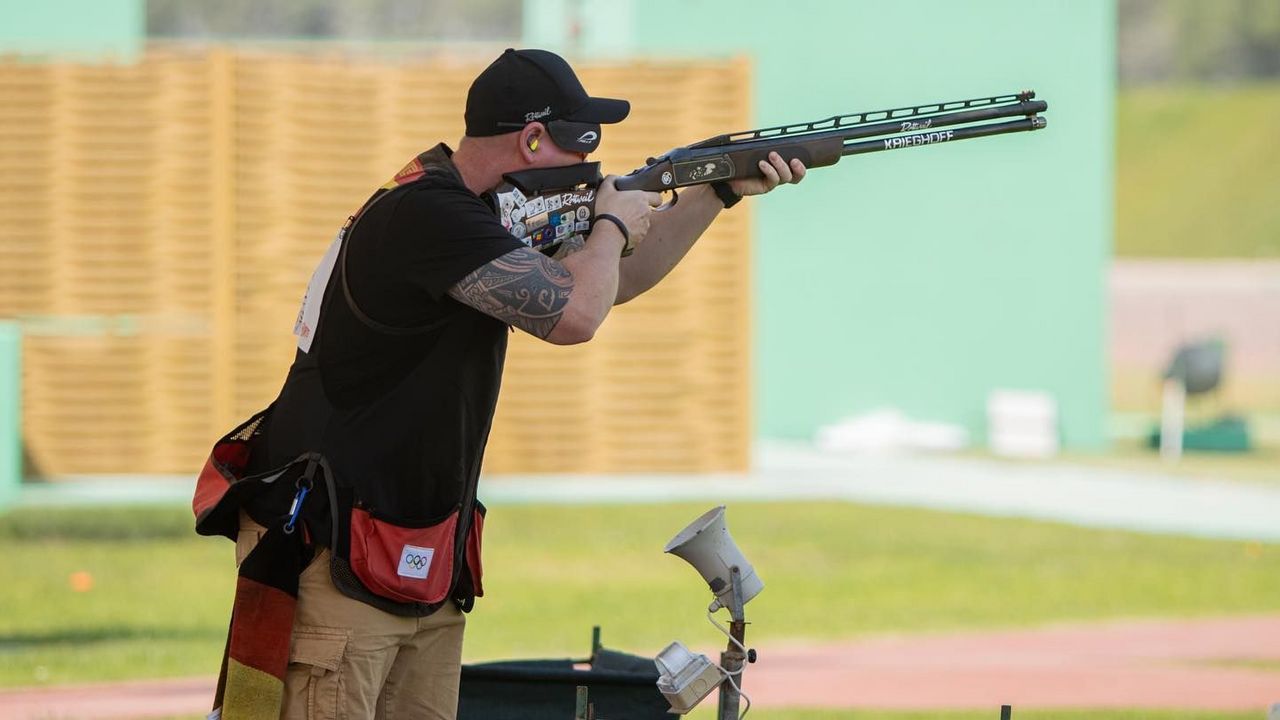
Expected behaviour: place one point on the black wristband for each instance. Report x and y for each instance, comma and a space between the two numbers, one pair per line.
627, 248
725, 193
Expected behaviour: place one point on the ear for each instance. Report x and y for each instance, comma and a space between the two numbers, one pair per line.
532, 137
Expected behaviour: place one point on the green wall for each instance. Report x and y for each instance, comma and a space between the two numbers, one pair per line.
108, 29
922, 278
10, 411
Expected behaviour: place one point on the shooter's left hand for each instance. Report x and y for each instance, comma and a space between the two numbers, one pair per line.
775, 171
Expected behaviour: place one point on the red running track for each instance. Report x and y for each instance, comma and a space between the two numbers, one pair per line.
1215, 664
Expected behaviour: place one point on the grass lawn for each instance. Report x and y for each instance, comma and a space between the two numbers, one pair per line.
159, 600
1193, 180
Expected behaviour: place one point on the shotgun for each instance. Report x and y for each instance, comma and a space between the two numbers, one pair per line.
824, 142
546, 208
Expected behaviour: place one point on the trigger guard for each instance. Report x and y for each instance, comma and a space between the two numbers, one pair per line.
675, 198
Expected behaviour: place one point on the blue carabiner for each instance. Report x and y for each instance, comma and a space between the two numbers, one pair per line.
296, 508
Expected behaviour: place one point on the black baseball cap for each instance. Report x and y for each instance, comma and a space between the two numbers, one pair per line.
524, 86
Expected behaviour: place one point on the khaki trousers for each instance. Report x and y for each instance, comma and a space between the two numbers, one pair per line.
351, 661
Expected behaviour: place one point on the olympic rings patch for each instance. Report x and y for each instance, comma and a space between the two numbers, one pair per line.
415, 562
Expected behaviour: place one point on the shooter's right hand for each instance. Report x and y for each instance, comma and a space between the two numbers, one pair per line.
633, 207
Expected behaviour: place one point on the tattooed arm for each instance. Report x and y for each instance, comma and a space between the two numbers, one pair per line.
562, 302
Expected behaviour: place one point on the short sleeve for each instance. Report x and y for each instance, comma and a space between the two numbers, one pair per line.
417, 243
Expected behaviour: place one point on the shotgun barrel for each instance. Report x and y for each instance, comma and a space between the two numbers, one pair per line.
824, 142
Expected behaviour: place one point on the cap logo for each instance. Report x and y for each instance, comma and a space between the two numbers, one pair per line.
537, 114
588, 137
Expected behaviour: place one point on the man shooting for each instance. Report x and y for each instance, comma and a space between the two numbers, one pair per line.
388, 405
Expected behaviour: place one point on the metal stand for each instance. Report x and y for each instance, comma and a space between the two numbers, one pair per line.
1173, 409
733, 659
583, 709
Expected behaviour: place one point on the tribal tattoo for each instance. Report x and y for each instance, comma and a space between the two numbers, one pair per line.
570, 246
523, 288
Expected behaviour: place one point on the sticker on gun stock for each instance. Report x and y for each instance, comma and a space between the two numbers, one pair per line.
549, 221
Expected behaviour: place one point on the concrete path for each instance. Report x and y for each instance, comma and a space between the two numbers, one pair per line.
1214, 664
1081, 495
1089, 496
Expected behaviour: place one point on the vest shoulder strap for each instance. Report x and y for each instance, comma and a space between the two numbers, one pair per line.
360, 315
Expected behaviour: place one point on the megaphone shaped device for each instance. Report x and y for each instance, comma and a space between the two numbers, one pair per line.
707, 546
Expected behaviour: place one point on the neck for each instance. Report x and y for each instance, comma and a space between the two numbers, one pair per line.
481, 171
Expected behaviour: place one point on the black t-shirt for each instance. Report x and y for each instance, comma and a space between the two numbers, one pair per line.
402, 417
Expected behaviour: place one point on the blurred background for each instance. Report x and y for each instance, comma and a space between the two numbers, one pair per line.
1097, 301
172, 170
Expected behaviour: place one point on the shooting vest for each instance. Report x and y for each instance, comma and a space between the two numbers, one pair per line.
394, 546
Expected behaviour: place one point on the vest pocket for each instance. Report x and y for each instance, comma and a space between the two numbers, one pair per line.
474, 534
401, 563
